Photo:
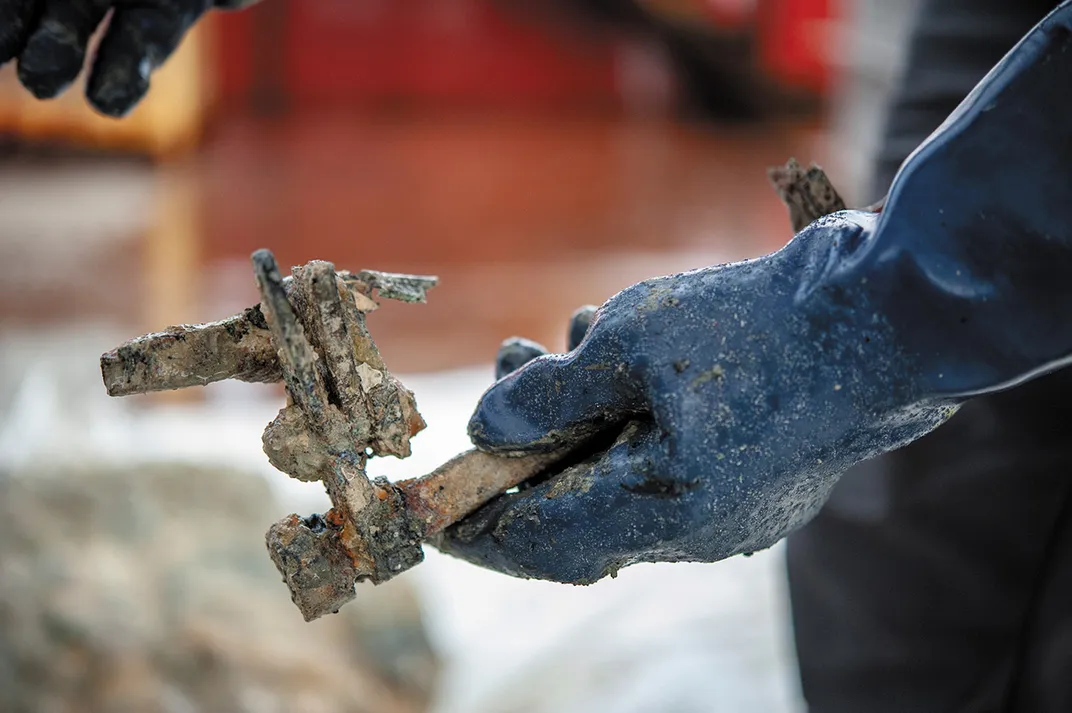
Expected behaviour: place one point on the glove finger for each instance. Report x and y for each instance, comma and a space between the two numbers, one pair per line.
139, 39
556, 400
579, 324
16, 21
515, 353
56, 49
622, 507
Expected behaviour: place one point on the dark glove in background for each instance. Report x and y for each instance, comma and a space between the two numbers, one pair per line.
749, 388
49, 38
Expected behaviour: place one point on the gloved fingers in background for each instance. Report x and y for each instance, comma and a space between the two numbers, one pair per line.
622, 507
16, 21
518, 351
553, 400
49, 39
515, 353
56, 48
139, 39
580, 321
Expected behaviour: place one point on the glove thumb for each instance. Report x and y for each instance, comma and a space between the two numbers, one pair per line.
556, 401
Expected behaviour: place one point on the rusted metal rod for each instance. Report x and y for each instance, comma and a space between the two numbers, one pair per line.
343, 407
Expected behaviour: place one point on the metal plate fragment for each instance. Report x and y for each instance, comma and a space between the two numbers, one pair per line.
394, 286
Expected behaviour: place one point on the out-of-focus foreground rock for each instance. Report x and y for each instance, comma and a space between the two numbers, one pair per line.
150, 591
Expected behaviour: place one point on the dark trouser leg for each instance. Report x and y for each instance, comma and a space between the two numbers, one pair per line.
939, 577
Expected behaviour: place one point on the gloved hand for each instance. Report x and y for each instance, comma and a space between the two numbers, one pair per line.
49, 39
744, 390
740, 393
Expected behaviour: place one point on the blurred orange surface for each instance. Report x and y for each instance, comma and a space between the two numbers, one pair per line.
522, 219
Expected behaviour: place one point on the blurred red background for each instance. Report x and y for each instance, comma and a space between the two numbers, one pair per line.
487, 53
535, 155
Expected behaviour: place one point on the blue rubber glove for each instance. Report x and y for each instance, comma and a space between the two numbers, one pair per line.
737, 395
49, 38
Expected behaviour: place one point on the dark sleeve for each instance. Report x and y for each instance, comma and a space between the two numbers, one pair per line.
937, 577
953, 45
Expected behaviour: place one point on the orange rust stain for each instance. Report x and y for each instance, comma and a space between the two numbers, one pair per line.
426, 501
416, 423
347, 539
